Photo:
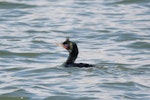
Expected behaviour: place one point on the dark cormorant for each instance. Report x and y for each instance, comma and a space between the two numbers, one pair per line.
72, 48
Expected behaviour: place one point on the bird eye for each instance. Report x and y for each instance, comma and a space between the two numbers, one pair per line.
64, 43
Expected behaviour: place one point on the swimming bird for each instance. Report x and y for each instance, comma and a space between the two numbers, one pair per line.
72, 48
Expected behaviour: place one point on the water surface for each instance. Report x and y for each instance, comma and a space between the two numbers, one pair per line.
113, 35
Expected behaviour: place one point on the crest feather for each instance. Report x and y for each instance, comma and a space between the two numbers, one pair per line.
67, 39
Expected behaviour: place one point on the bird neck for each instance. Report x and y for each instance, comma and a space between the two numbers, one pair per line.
73, 53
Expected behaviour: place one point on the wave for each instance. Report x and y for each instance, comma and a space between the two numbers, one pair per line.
13, 98
125, 85
10, 5
132, 1
12, 95
140, 45
28, 54
58, 97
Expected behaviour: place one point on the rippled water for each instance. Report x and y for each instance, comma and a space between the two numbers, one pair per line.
112, 34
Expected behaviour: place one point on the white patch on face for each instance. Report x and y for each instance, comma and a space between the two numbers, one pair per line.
70, 46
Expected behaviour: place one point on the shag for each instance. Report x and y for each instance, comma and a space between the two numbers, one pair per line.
72, 48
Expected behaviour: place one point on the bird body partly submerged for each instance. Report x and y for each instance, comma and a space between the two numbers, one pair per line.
72, 48
78, 65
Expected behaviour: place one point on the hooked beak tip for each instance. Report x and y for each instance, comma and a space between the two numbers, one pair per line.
65, 46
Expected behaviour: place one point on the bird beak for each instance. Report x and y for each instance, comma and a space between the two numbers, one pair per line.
65, 46
62, 45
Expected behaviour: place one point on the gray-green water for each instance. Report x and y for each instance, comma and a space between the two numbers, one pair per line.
112, 34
